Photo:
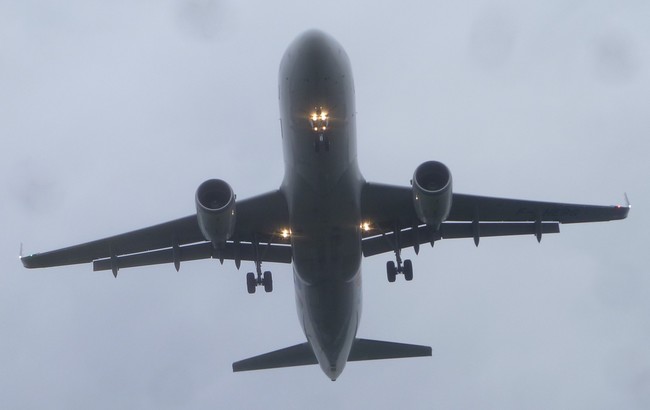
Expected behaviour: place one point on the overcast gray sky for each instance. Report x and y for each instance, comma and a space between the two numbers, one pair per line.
112, 113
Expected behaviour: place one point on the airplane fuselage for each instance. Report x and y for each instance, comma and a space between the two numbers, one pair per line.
322, 185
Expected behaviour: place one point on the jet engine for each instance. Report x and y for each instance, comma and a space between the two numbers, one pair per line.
215, 210
432, 192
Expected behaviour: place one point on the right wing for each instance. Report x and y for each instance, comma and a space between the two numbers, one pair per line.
394, 224
259, 219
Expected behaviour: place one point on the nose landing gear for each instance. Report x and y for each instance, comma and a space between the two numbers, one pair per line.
321, 141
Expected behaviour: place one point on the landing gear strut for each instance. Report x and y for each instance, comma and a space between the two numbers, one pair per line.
322, 141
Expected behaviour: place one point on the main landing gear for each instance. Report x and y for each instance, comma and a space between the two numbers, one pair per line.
394, 268
252, 280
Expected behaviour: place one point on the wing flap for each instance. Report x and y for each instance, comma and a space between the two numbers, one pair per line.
452, 230
231, 251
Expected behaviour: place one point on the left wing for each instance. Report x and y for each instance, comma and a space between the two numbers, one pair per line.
393, 223
259, 219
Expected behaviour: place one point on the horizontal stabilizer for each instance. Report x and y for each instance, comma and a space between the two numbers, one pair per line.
298, 355
364, 349
302, 354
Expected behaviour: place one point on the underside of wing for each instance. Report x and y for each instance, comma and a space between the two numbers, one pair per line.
255, 237
471, 207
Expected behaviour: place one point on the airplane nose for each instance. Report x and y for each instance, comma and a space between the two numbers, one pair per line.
316, 46
313, 39
316, 64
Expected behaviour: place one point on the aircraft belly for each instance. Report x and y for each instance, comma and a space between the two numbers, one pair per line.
329, 314
326, 234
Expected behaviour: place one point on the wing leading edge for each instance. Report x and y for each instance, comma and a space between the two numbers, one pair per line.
259, 219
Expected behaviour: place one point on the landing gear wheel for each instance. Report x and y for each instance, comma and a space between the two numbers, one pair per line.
251, 282
408, 270
391, 271
268, 282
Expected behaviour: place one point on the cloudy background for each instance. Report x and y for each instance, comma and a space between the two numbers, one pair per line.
112, 113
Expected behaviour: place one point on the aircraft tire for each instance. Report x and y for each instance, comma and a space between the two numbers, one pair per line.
408, 270
268, 282
251, 283
391, 271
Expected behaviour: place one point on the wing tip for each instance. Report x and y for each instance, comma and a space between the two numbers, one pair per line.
623, 210
27, 262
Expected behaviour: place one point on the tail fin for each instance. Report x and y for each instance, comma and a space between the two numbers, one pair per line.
365, 349
298, 355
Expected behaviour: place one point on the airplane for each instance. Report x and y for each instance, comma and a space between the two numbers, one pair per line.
324, 218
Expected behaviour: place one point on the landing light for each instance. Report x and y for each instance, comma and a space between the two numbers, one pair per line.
365, 226
319, 120
285, 233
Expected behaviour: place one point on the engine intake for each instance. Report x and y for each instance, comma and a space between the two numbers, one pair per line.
432, 192
215, 210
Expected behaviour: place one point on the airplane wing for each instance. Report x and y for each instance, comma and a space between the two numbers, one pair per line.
393, 223
256, 236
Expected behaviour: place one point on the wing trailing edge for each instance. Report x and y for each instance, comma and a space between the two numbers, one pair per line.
419, 235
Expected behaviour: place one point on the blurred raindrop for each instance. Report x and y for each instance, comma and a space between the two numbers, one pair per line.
492, 38
199, 18
614, 58
35, 189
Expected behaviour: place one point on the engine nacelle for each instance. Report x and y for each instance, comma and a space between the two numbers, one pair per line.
215, 210
432, 192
